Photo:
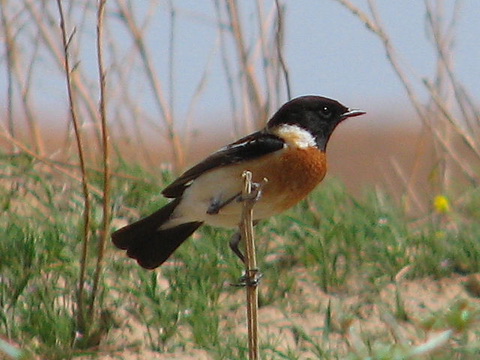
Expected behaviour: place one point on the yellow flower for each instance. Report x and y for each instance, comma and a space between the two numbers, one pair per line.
441, 204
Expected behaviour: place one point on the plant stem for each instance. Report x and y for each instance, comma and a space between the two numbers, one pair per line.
106, 158
251, 266
81, 154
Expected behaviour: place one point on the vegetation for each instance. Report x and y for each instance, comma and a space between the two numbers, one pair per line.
343, 262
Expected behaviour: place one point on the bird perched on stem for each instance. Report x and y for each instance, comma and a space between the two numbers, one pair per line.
289, 152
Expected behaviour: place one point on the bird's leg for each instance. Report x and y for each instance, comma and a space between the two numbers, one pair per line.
244, 279
216, 204
234, 242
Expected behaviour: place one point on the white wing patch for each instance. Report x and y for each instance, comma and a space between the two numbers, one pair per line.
248, 141
295, 136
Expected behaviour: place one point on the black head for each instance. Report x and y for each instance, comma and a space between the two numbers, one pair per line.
318, 115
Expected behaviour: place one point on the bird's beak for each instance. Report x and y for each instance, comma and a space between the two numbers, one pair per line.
352, 113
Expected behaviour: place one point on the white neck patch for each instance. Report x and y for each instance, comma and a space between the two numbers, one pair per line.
295, 136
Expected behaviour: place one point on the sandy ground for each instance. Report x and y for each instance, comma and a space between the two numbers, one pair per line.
353, 309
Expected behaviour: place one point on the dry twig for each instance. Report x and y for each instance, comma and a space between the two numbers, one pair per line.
83, 168
106, 157
155, 83
251, 271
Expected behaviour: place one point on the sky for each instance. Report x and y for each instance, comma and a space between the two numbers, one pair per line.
352, 60
328, 51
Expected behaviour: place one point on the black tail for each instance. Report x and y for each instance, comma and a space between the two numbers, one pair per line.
147, 244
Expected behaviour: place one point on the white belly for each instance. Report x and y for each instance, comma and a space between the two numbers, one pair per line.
217, 185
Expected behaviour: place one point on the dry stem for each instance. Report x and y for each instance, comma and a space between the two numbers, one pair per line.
251, 270
106, 157
81, 154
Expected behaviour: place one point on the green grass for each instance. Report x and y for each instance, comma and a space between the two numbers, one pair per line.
326, 264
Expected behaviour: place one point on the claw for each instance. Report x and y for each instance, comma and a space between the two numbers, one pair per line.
216, 205
256, 193
252, 280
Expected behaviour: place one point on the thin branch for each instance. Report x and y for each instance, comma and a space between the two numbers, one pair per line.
106, 157
279, 41
468, 140
81, 154
227, 68
55, 165
393, 58
442, 139
196, 97
171, 57
462, 98
35, 133
10, 57
268, 61
252, 87
407, 183
78, 82
135, 31
373, 24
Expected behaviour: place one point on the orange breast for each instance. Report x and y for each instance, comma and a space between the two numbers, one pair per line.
292, 175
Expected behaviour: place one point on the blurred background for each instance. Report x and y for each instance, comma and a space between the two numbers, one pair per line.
185, 77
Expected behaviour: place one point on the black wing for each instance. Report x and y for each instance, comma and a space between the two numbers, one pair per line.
247, 148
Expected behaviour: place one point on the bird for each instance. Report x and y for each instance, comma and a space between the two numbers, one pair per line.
289, 153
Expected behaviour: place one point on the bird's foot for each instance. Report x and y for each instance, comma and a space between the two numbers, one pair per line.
216, 204
252, 279
256, 192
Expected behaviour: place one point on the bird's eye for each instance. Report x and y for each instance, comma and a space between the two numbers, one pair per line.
325, 112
